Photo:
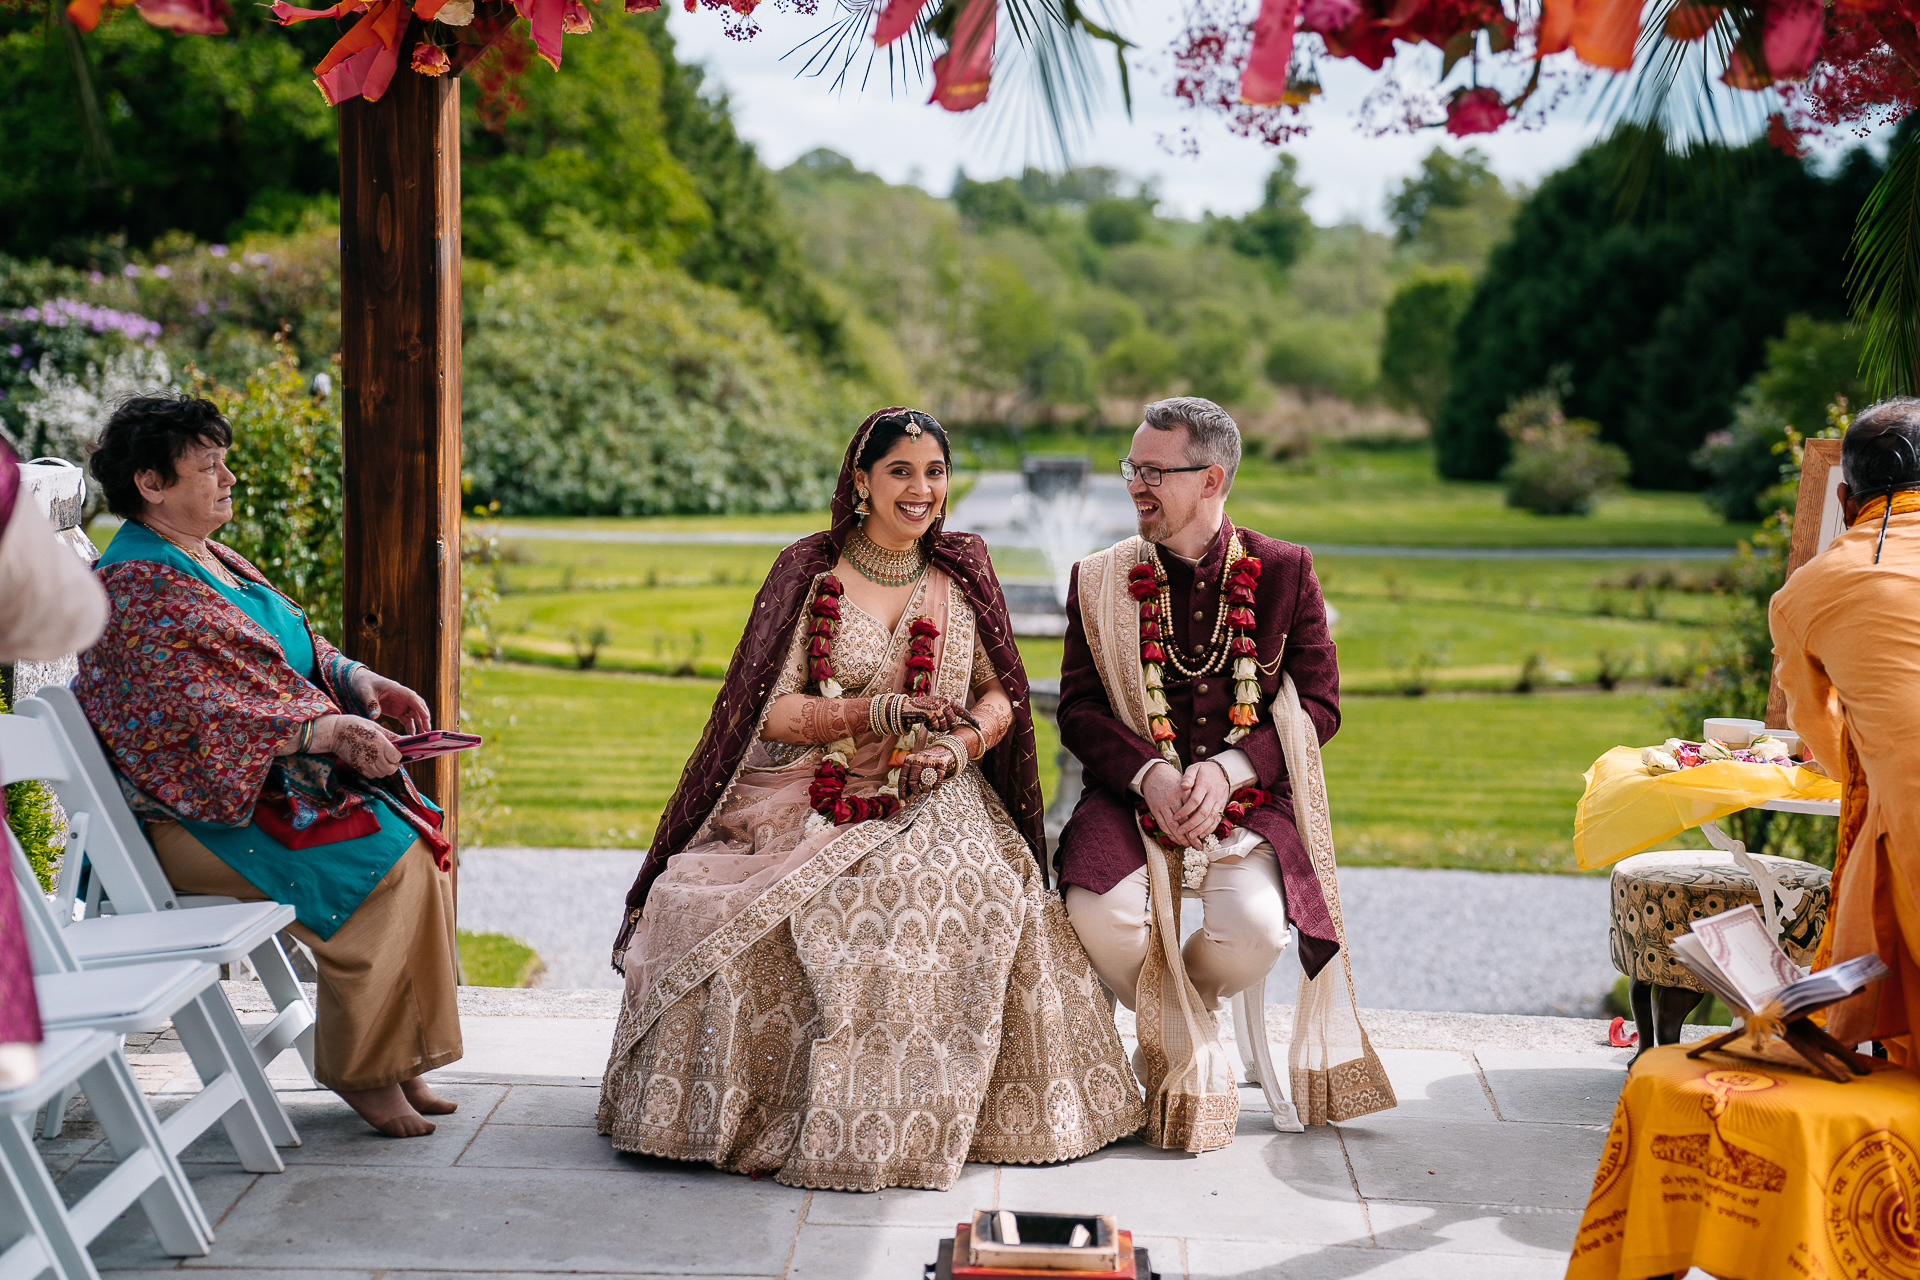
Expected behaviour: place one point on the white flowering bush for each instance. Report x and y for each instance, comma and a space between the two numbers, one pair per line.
68, 408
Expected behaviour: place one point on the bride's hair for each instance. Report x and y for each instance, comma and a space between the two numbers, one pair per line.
888, 430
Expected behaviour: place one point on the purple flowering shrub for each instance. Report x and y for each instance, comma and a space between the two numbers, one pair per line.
67, 334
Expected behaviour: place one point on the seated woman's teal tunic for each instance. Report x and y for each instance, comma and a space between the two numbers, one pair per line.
324, 883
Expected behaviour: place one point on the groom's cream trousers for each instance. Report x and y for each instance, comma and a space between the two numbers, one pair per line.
1244, 929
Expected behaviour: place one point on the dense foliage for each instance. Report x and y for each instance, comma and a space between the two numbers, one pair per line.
1559, 466
1417, 349
207, 136
627, 390
1814, 364
1661, 316
288, 501
30, 816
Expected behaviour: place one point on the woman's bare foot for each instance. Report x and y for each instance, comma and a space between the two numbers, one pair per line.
388, 1110
424, 1100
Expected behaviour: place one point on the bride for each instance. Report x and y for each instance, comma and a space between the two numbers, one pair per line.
842, 965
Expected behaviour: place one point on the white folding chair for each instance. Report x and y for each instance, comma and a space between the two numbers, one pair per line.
118, 986
38, 1231
127, 878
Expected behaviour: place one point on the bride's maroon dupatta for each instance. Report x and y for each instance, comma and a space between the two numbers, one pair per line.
1011, 767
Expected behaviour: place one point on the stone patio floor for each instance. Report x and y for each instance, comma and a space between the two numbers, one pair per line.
1480, 1172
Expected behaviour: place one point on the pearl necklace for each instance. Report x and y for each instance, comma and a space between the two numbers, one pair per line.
1215, 661
881, 566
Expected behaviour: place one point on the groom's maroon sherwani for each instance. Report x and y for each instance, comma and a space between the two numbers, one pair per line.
1101, 844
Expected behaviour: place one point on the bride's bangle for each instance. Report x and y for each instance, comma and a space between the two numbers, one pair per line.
957, 747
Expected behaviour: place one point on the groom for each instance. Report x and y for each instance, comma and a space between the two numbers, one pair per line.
1256, 877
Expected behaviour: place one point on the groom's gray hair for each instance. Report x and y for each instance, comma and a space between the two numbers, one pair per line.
1213, 438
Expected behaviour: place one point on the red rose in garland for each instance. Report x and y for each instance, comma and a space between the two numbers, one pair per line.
828, 795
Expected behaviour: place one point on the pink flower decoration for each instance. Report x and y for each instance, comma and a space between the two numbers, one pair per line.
1476, 111
430, 60
1328, 15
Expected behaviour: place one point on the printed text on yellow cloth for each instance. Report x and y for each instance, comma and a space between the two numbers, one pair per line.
1628, 808
1748, 1169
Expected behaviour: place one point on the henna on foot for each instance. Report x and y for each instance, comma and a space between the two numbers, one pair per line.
388, 1111
424, 1100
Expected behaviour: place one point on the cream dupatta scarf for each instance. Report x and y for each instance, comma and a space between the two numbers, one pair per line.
1192, 1100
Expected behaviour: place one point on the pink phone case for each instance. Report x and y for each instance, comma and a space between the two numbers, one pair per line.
435, 742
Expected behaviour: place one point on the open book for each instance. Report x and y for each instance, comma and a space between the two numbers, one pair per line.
1738, 959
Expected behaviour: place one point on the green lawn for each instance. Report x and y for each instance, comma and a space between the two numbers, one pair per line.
1340, 493
1452, 624
590, 758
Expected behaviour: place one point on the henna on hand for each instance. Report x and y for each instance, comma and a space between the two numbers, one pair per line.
359, 744
994, 711
809, 721
937, 757
933, 712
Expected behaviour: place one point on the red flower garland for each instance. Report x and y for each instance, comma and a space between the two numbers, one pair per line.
1143, 584
828, 794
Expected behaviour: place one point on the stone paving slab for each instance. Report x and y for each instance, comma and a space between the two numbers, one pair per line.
1481, 1171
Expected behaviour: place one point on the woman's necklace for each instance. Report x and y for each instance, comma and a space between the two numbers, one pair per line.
205, 559
882, 567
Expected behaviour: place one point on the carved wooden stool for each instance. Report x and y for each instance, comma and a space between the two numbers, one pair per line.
1660, 894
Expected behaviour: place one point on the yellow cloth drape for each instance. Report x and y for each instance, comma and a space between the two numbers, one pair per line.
1751, 1171
1627, 808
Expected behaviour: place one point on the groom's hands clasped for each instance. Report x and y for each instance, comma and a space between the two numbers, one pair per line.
1187, 806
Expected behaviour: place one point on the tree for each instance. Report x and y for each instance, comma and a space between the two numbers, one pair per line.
196, 131
1418, 346
1661, 316
986, 205
1114, 220
1279, 229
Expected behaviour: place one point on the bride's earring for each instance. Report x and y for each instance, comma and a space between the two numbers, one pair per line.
862, 509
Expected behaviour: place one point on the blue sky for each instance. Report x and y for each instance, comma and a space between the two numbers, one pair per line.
1349, 168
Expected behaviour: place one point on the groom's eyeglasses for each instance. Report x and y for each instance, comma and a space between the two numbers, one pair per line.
1151, 475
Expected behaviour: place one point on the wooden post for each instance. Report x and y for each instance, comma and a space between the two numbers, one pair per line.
400, 362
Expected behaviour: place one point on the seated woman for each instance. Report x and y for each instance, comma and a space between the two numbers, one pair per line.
253, 750
842, 967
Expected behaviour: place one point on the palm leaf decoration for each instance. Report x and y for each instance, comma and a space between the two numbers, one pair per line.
1884, 281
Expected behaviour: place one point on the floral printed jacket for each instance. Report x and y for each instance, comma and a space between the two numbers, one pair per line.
190, 697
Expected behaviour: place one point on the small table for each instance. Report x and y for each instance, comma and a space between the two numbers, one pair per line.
1790, 895
1745, 1168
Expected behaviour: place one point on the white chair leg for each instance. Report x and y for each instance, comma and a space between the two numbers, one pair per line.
133, 1131
215, 1056
57, 1113
1250, 1029
283, 988
26, 1253
43, 1202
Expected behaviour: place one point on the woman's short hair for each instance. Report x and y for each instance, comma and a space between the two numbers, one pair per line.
891, 429
150, 433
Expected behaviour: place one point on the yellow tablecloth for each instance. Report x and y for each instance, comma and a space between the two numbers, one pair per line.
1755, 1172
1627, 809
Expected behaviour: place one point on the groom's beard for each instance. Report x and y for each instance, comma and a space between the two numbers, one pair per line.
1164, 522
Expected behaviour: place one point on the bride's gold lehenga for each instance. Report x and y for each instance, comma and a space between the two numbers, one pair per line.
869, 1005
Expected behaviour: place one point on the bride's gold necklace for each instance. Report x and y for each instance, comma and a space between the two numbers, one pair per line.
205, 559
883, 567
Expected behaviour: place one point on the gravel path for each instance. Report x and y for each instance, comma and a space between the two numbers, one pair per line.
1456, 941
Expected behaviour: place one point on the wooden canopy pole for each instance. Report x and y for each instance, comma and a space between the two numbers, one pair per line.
400, 363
